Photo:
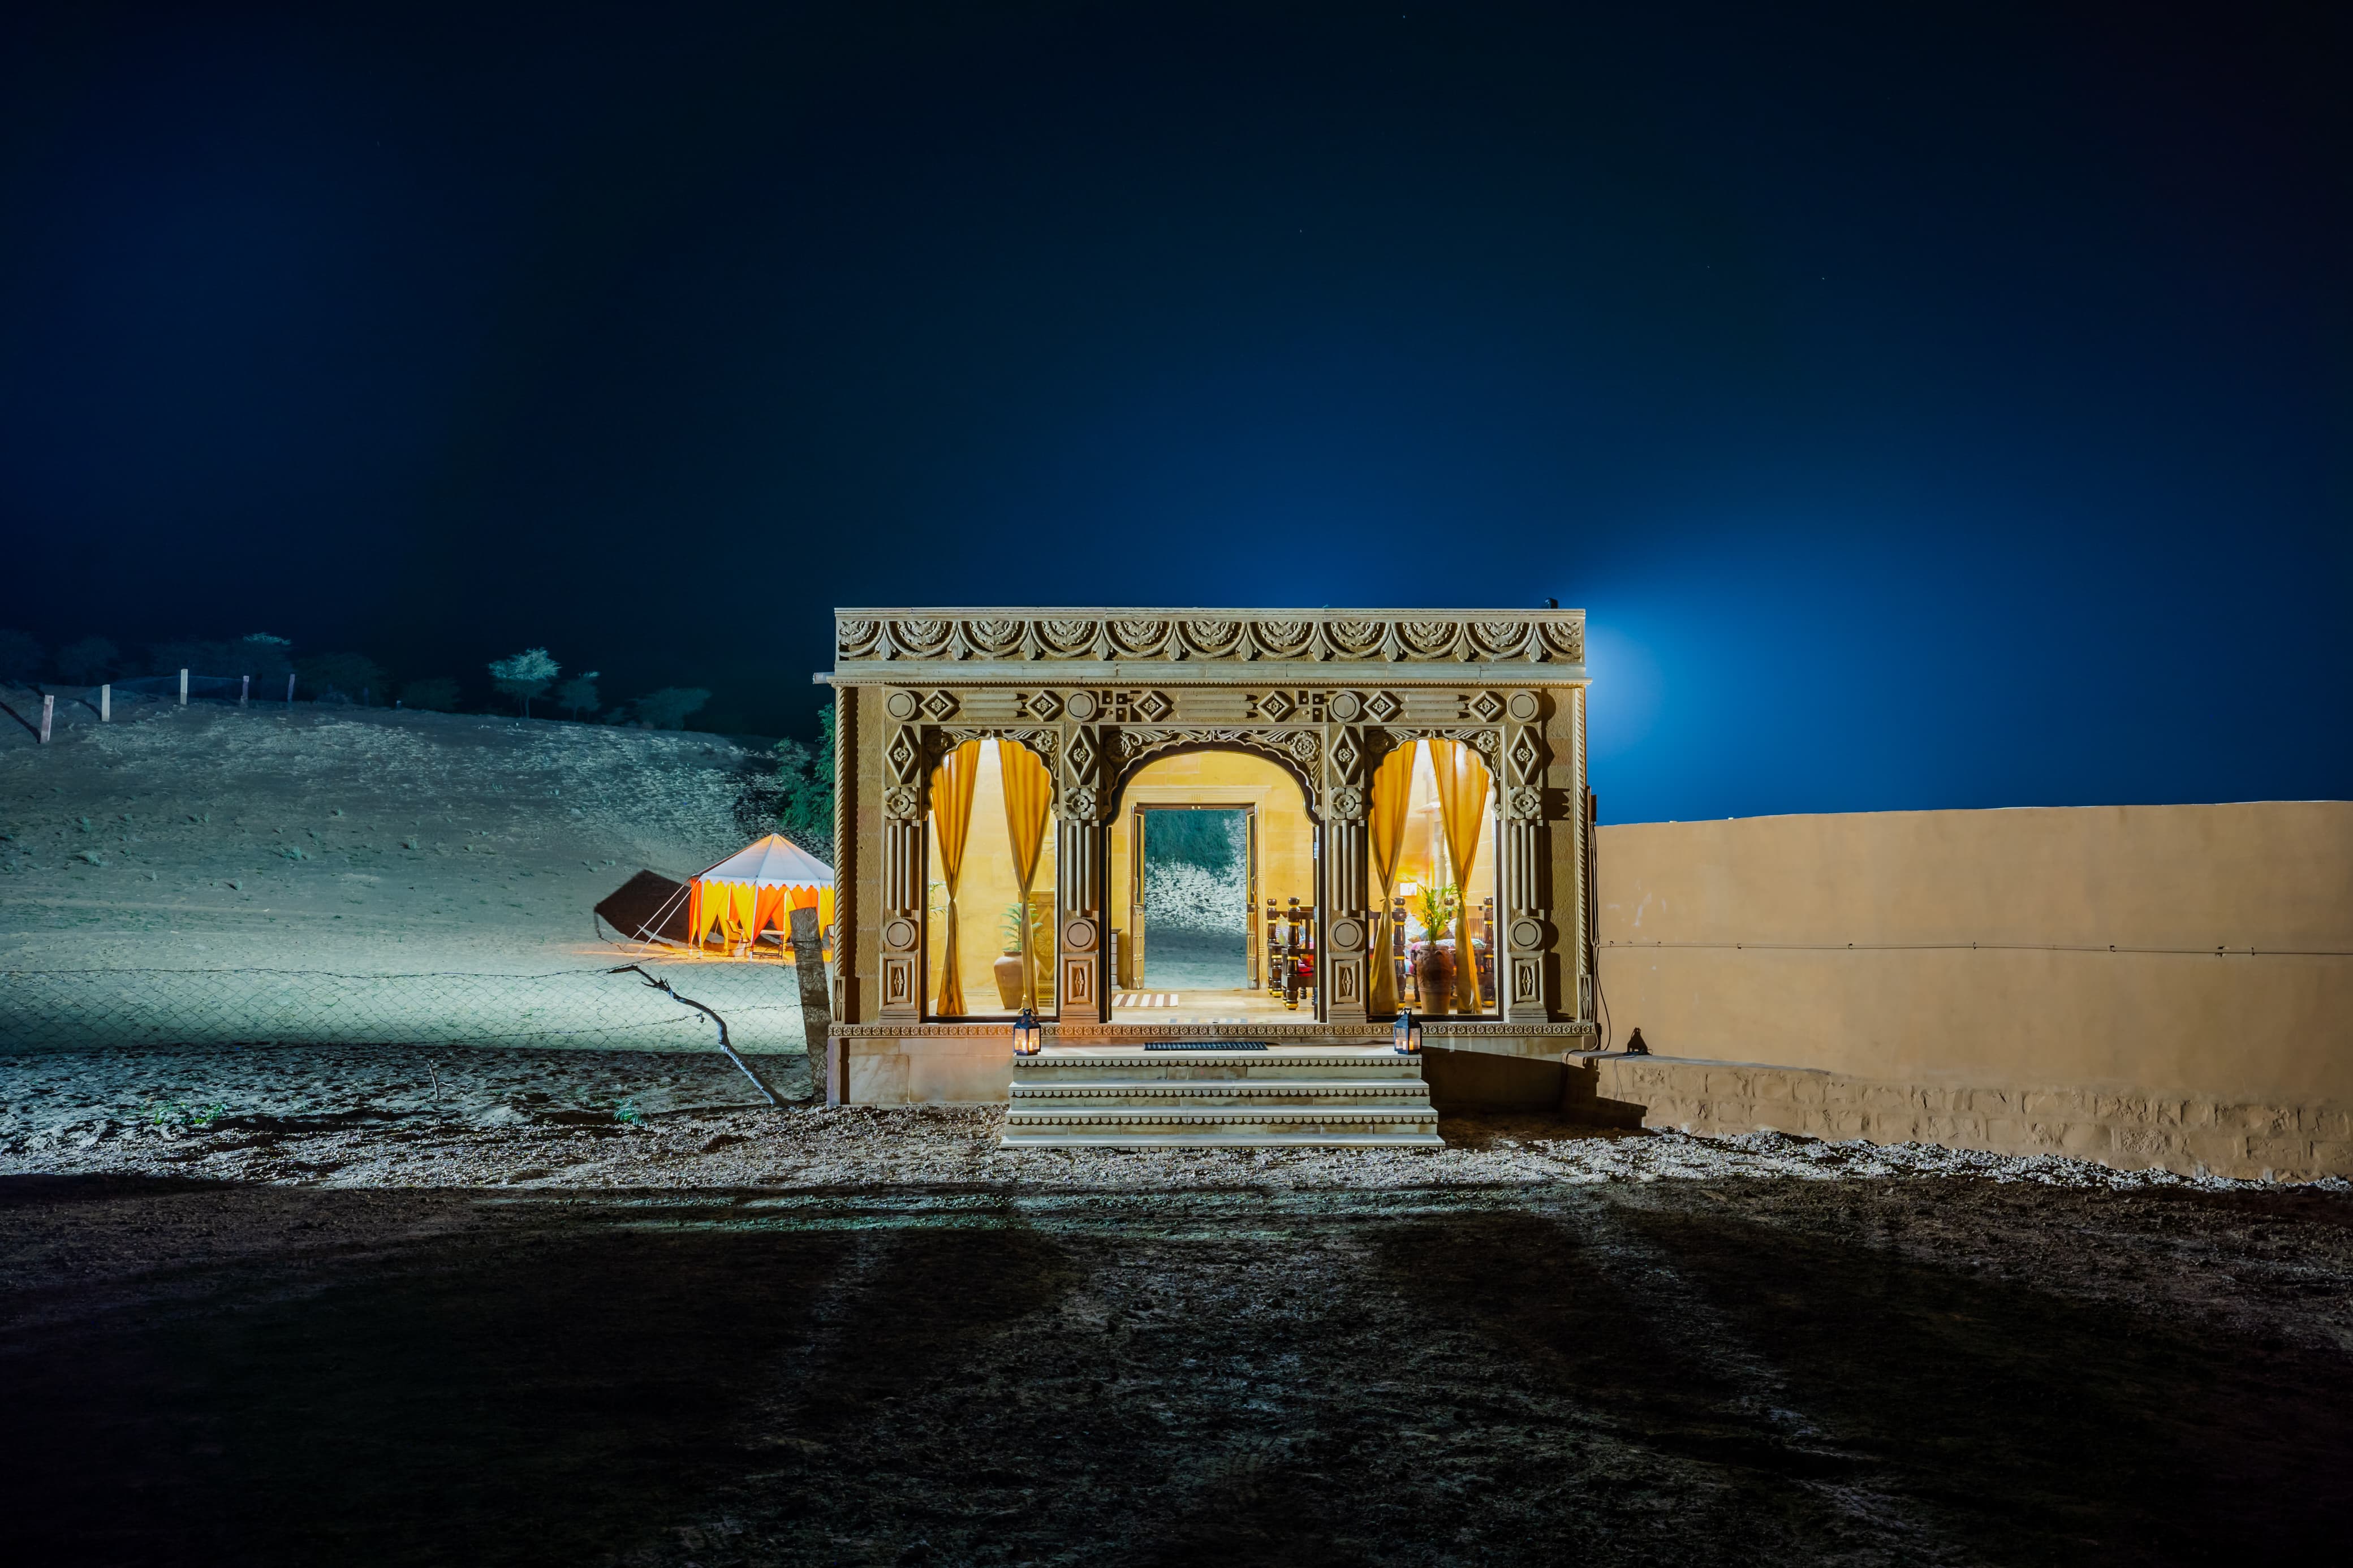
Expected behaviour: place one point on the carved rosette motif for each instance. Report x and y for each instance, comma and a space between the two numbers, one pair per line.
1537, 637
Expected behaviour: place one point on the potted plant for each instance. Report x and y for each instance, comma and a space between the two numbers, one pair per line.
1008, 967
1433, 965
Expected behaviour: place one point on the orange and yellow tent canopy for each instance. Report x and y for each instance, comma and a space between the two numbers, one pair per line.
755, 890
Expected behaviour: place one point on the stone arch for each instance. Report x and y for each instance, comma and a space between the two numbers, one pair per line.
1277, 747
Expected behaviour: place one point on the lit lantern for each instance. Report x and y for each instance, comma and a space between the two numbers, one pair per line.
1028, 1038
1409, 1035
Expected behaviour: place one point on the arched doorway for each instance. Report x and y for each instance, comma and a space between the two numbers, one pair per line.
1213, 890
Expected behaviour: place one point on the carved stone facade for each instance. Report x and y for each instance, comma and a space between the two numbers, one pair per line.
1325, 694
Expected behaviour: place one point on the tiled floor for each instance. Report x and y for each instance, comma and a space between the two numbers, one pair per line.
1205, 1006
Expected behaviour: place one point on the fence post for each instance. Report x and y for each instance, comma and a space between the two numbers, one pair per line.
290, 691
106, 703
49, 713
244, 688
184, 688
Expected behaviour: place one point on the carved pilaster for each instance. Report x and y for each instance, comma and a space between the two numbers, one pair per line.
1082, 872
902, 912
1522, 970
1344, 943
845, 870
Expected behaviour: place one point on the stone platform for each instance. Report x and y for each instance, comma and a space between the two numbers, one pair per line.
1213, 1096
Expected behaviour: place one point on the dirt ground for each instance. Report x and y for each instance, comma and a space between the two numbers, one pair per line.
475, 1314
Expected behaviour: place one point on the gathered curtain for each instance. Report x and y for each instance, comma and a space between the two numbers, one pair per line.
738, 911
1462, 785
1028, 796
1385, 839
951, 784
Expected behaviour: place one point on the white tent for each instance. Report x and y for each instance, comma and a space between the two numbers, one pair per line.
755, 890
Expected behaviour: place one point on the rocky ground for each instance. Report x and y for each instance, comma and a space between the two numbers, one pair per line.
588, 1307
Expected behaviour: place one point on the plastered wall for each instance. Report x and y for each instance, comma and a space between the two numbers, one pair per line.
1730, 942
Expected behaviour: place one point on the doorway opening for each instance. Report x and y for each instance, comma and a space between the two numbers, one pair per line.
1205, 844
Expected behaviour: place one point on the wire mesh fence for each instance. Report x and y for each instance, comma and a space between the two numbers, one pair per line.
602, 1008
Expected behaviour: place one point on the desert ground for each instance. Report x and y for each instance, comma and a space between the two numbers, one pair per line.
273, 1300
369, 840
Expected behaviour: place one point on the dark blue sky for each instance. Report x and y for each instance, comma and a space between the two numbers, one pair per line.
1933, 406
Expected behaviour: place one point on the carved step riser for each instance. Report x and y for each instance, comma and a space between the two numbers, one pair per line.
1221, 1140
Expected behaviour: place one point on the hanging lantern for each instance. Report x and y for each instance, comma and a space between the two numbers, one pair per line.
1409, 1035
1028, 1038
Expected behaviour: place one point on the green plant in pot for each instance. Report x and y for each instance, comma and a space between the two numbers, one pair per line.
1009, 967
1433, 966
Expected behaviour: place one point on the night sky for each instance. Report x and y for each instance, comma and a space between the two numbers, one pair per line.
1933, 406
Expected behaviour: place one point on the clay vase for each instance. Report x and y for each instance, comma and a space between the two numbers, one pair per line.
1009, 981
1433, 973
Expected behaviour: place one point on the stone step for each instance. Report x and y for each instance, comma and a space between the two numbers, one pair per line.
1349, 1097
1215, 1138
1229, 1092
1209, 1065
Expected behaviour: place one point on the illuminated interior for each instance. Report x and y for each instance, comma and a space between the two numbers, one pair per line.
1002, 960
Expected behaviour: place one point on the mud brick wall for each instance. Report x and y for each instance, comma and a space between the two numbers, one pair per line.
2139, 984
2128, 1130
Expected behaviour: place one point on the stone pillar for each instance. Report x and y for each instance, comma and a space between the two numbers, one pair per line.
1521, 972
902, 917
1083, 873
845, 804
1343, 941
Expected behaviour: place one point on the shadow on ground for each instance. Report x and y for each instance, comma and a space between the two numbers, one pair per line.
245, 1375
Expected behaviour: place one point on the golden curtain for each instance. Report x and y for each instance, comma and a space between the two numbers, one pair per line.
1029, 795
951, 784
1385, 839
1462, 807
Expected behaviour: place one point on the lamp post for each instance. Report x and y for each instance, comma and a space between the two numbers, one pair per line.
1028, 1038
1409, 1034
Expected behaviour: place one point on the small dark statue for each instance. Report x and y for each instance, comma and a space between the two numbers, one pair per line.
1634, 1046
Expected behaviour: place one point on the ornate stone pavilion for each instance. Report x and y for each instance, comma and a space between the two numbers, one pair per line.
1073, 705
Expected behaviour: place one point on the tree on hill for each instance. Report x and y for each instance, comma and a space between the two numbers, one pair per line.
258, 655
328, 676
578, 695
20, 656
525, 675
89, 661
804, 789
435, 694
668, 708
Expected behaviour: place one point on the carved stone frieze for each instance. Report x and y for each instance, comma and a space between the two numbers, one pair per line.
939, 742
1128, 636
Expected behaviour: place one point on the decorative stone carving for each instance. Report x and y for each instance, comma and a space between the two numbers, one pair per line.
1344, 708
1083, 706
940, 705
1348, 803
1043, 706
1484, 706
1081, 803
1380, 707
1524, 801
1129, 636
1524, 706
901, 801
900, 705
